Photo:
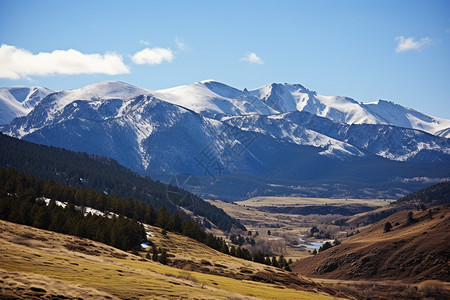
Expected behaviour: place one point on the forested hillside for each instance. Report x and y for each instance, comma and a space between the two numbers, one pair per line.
22, 201
103, 175
433, 195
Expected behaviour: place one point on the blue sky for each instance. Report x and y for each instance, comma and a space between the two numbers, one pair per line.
367, 50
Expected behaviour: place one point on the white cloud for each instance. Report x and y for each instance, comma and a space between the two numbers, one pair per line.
407, 44
18, 63
152, 56
142, 42
252, 58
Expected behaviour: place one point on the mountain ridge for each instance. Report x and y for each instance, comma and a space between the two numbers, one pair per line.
213, 130
19, 101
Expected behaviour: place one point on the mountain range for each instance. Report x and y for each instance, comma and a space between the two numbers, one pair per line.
278, 139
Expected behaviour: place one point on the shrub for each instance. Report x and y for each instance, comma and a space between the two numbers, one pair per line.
387, 227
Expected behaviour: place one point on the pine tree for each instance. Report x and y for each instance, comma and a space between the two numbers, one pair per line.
224, 249
410, 219
259, 257
154, 253
162, 218
163, 257
175, 223
281, 261
275, 262
42, 219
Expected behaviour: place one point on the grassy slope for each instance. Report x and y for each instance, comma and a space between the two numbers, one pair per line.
44, 263
409, 253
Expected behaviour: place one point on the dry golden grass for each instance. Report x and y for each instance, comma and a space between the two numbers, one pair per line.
49, 261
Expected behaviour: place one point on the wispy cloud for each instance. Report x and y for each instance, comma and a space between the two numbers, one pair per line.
252, 58
408, 44
181, 45
16, 63
142, 42
153, 56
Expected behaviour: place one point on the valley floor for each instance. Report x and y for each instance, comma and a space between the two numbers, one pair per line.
406, 263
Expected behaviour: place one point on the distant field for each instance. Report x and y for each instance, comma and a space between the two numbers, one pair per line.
305, 201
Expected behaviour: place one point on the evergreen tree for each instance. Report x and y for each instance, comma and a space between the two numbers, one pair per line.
175, 223
162, 218
275, 262
224, 249
259, 257
410, 218
387, 227
150, 215
325, 246
163, 257
42, 219
154, 253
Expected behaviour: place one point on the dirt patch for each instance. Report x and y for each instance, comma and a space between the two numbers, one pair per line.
83, 248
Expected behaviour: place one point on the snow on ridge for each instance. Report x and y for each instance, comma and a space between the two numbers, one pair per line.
347, 110
278, 128
212, 98
100, 90
19, 101
86, 210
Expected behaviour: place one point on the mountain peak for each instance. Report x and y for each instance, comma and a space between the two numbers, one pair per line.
19, 100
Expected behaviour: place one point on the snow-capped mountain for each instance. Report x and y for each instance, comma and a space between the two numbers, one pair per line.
211, 98
391, 142
278, 132
287, 98
19, 101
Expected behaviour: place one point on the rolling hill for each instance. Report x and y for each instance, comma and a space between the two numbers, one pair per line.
36, 264
415, 250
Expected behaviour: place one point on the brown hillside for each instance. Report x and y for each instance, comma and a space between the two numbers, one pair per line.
410, 252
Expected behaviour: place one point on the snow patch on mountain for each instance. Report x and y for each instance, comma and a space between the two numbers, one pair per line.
279, 129
19, 101
212, 98
101, 90
291, 97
